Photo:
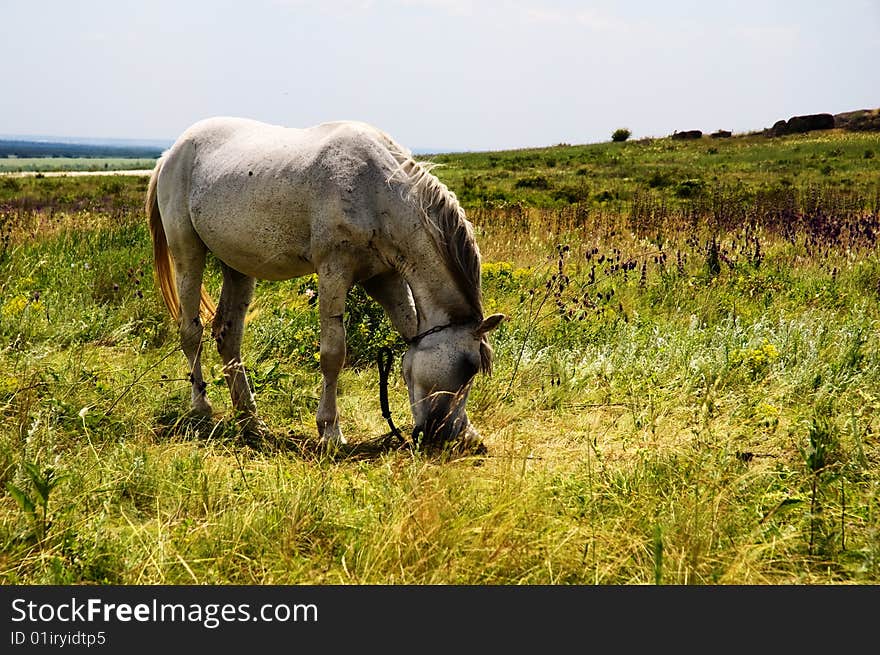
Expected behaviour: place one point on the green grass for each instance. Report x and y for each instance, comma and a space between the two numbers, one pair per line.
662, 409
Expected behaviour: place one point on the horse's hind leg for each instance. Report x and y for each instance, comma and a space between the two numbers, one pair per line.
227, 329
189, 267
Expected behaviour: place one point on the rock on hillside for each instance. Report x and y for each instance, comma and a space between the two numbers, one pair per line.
862, 120
801, 124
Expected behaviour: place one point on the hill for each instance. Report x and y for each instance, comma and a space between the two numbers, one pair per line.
862, 120
677, 171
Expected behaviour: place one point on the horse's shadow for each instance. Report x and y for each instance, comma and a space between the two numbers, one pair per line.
264, 441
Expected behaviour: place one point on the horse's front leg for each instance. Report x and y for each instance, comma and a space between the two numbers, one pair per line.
333, 285
392, 292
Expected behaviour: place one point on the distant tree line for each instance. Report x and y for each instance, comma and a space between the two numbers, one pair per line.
25, 149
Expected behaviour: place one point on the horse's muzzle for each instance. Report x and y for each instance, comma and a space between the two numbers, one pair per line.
446, 421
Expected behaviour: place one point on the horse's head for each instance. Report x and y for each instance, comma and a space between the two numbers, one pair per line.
438, 369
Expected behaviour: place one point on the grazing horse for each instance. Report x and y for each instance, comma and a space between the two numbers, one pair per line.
339, 199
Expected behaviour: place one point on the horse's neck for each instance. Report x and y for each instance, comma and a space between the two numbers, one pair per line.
435, 291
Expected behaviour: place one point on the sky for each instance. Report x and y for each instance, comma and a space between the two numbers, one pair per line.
438, 75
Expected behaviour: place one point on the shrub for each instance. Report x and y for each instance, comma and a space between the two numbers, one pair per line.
659, 179
689, 188
620, 134
534, 182
572, 193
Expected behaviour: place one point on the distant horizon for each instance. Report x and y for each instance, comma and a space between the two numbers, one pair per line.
87, 140
165, 143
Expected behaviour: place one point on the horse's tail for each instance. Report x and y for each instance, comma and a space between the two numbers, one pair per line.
162, 262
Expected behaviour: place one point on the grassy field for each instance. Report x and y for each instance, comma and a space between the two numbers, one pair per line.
52, 164
687, 390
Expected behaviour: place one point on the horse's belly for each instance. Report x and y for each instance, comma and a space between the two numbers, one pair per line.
278, 266
261, 247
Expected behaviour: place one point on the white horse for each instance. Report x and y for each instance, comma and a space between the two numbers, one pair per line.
340, 199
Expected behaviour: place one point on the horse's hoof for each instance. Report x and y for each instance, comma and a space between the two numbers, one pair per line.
472, 443
201, 410
198, 419
252, 426
256, 427
468, 449
331, 437
193, 424
332, 444
476, 449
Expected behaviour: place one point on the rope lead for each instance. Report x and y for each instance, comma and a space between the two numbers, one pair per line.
384, 360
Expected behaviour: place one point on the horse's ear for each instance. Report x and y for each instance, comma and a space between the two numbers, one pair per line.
489, 323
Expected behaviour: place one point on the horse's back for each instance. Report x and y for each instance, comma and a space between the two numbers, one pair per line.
239, 152
259, 195
224, 141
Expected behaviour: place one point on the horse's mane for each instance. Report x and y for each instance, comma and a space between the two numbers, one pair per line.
453, 234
